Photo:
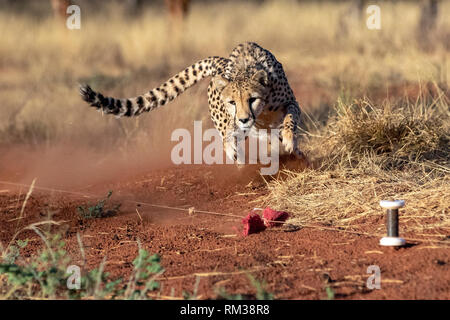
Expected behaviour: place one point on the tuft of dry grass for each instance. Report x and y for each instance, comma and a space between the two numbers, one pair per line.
366, 153
350, 199
389, 134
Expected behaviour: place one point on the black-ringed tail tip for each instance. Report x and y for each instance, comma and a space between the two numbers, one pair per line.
87, 94
392, 239
118, 107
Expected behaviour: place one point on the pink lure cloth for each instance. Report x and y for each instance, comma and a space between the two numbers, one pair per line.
252, 224
273, 218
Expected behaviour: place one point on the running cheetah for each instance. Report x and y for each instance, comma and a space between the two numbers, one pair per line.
248, 91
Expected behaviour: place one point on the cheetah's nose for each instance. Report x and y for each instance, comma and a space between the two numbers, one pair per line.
244, 120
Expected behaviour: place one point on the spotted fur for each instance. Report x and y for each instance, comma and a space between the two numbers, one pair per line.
248, 90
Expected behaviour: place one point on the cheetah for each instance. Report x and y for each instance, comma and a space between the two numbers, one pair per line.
248, 91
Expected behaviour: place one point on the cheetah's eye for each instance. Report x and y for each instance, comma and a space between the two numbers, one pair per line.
232, 102
251, 100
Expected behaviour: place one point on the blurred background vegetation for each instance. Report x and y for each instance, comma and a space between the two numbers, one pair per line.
124, 48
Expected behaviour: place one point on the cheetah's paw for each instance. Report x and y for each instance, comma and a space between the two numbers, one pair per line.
289, 141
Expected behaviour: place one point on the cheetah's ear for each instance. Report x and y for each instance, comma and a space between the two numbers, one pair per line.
261, 77
220, 82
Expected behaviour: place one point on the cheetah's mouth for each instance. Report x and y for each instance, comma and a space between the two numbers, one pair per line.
246, 127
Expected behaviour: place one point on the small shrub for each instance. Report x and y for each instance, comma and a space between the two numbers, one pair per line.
45, 275
146, 268
261, 293
98, 210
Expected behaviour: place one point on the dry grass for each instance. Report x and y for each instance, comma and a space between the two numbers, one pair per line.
349, 199
362, 134
367, 153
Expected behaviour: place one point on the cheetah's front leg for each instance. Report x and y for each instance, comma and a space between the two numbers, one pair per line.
223, 122
289, 130
233, 142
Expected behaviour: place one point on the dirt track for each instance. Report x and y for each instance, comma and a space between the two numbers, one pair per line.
295, 265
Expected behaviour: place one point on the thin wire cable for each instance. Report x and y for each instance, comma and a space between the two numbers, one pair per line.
214, 213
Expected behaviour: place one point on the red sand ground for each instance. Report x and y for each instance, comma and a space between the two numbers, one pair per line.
295, 265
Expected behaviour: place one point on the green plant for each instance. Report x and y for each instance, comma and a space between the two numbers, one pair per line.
98, 210
96, 284
146, 268
45, 274
223, 294
330, 293
14, 251
261, 293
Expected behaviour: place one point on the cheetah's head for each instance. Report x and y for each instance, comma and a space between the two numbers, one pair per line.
244, 97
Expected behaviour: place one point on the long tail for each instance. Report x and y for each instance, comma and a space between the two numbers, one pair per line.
156, 97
